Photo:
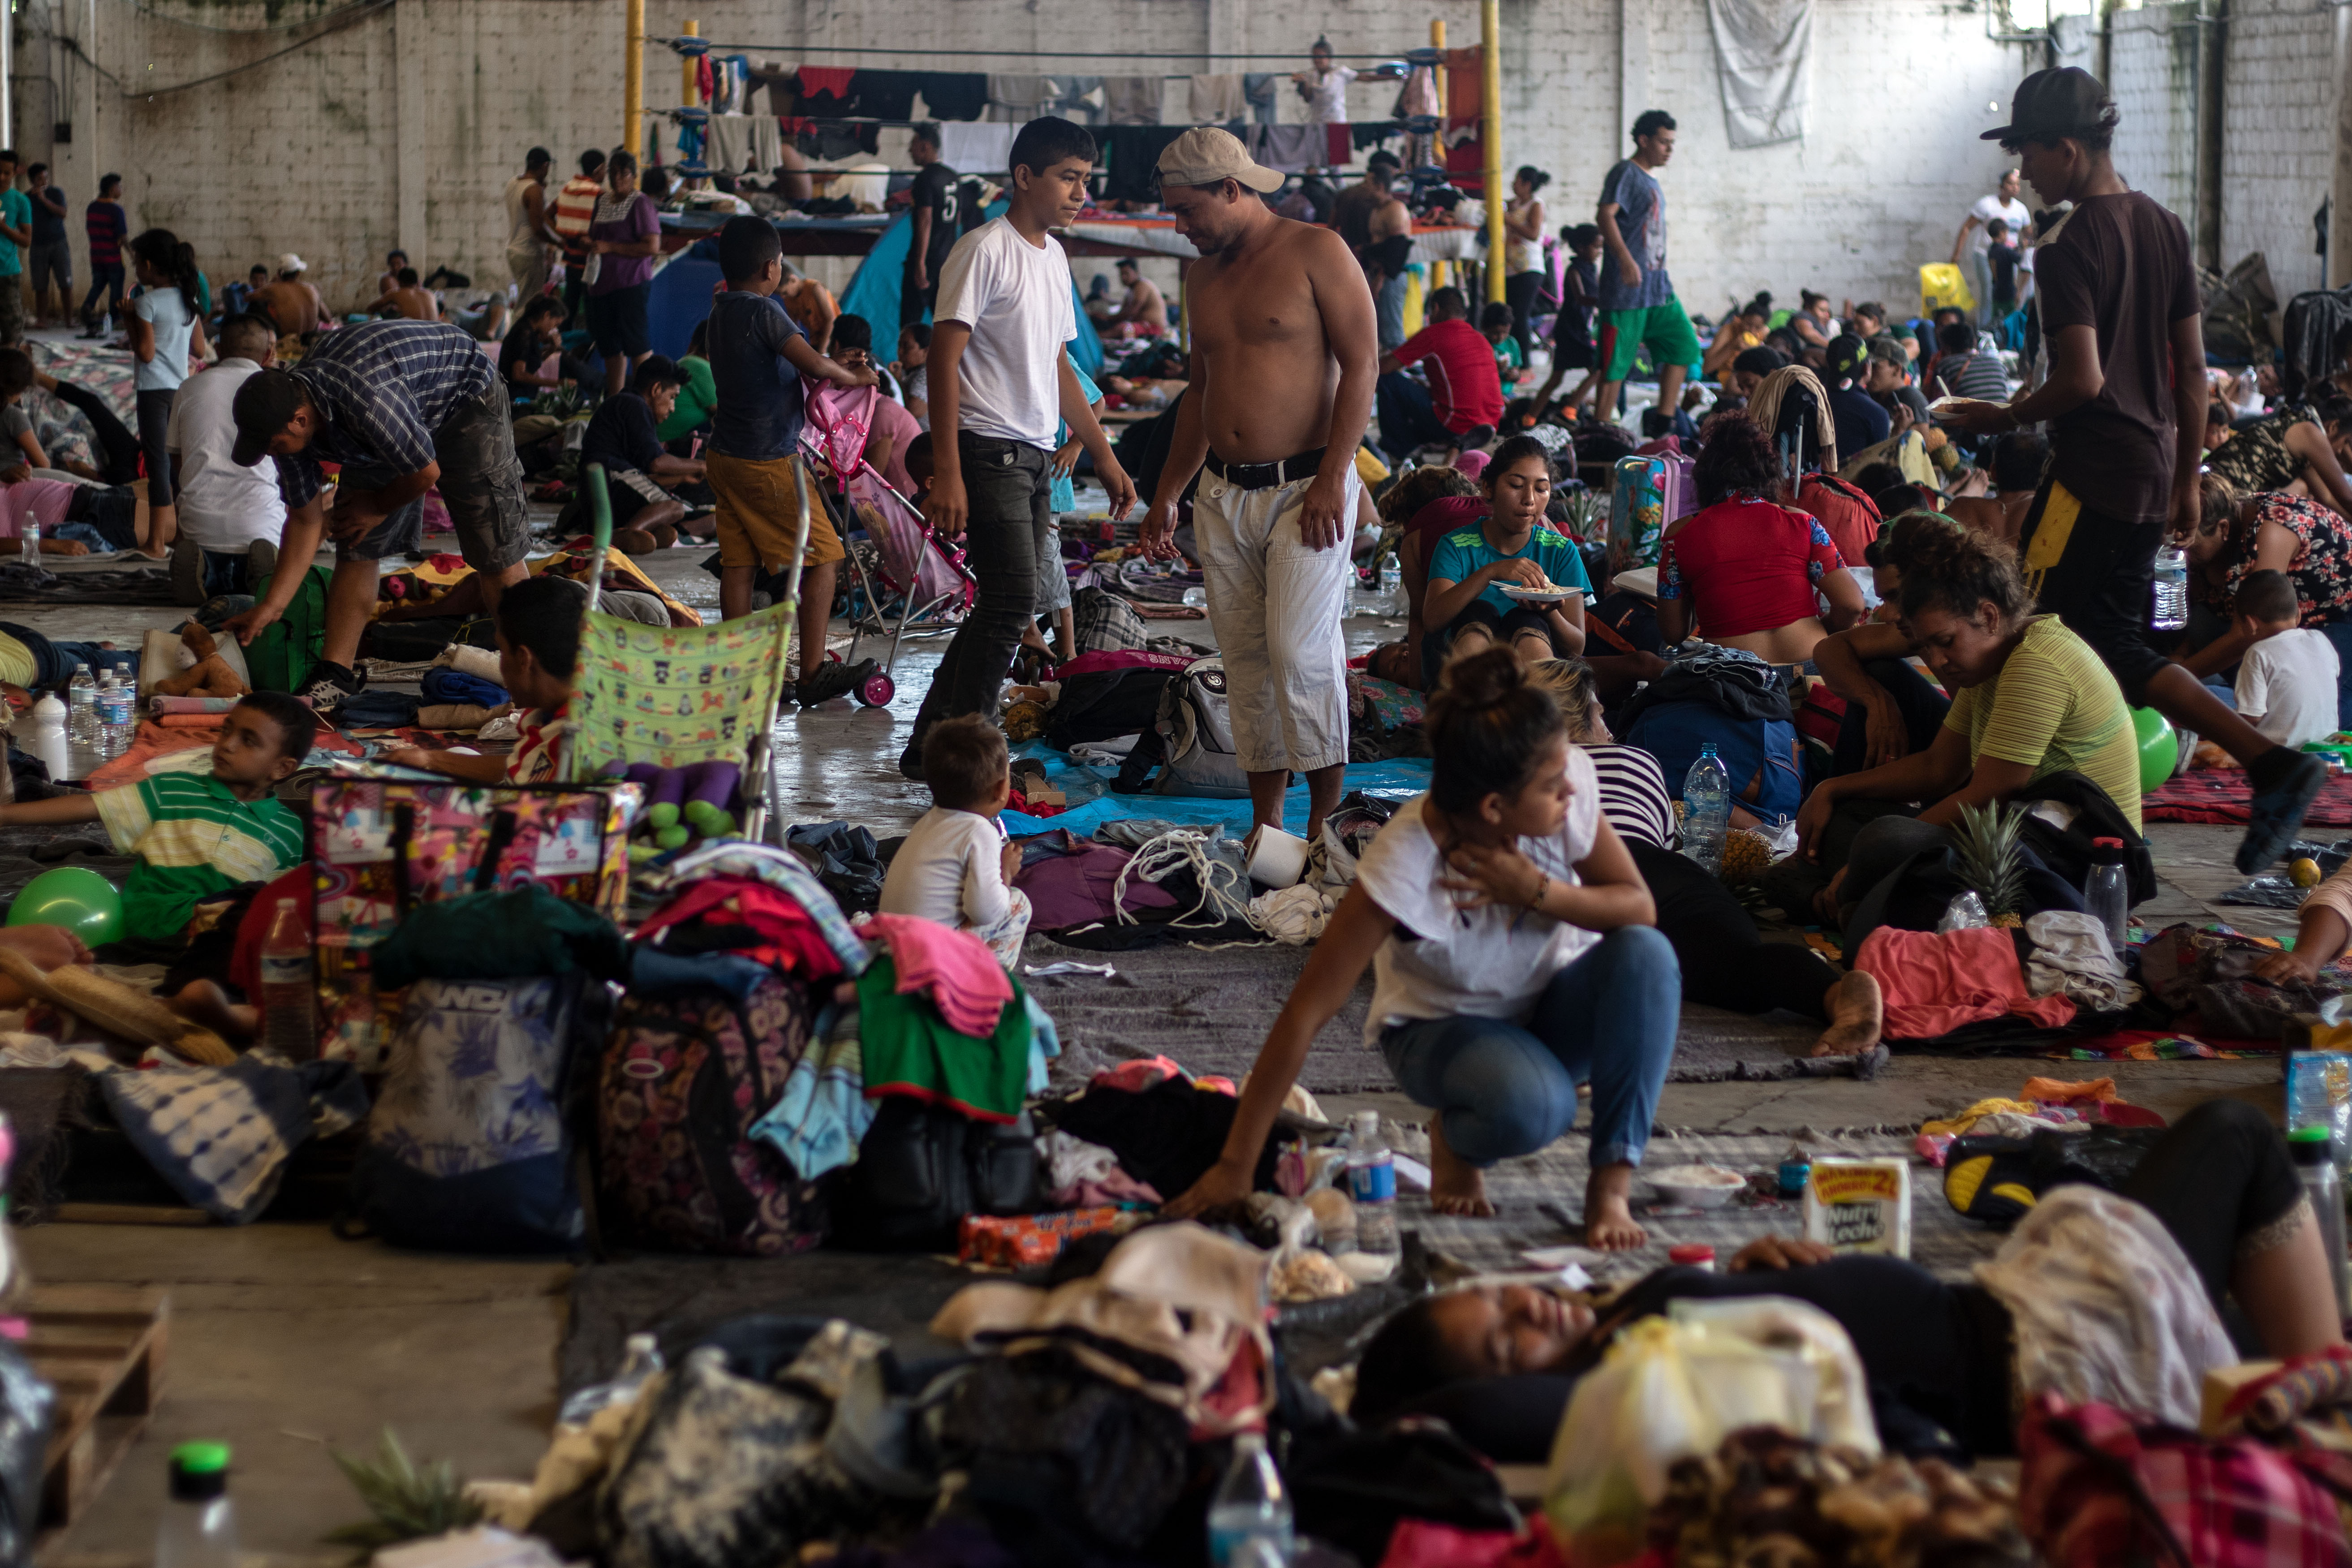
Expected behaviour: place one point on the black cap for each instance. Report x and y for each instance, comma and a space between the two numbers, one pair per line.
264, 403
1847, 354
1759, 361
2052, 105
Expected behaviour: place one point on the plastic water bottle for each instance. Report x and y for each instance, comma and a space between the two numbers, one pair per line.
1371, 1183
2109, 892
287, 989
1706, 809
28, 541
50, 742
2314, 1149
2170, 613
82, 698
117, 720
641, 1359
199, 1524
1250, 1510
1393, 584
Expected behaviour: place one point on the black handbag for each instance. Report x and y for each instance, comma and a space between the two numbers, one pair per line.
921, 1168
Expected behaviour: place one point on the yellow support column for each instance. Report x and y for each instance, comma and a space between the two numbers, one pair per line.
633, 78
690, 94
1438, 41
1490, 132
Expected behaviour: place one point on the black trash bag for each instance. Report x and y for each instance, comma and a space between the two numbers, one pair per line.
1066, 1463
26, 1405
846, 858
1352, 1490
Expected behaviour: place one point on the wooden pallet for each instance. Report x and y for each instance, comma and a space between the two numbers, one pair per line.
102, 1348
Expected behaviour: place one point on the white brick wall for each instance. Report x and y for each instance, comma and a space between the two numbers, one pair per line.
306, 152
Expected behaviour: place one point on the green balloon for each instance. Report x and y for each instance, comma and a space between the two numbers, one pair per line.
2159, 747
74, 896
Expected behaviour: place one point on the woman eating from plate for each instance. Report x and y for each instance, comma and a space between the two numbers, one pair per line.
1513, 955
1509, 580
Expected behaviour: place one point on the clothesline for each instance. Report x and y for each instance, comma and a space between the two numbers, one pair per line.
715, 46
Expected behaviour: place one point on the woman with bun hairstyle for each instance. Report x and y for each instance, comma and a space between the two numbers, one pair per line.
2030, 699
1513, 957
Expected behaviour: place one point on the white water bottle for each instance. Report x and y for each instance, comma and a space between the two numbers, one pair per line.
1706, 809
2170, 612
1372, 1184
1250, 1510
198, 1528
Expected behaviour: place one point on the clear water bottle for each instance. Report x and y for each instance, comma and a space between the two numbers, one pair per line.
2315, 1161
1706, 809
118, 719
2109, 892
1251, 1511
1371, 1183
81, 693
288, 1027
2170, 612
199, 1524
1393, 584
641, 1359
28, 541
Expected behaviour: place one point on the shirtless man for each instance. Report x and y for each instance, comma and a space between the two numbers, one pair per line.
1143, 305
1283, 366
1385, 251
289, 301
406, 299
812, 304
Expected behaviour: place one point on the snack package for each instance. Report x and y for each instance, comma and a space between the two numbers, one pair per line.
1860, 1205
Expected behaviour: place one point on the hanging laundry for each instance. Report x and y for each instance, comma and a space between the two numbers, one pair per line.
966, 982
888, 95
1289, 148
1017, 100
837, 139
1134, 156
740, 141
976, 147
1219, 100
1080, 98
1258, 88
1363, 134
705, 79
1131, 99
826, 93
1339, 147
910, 1050
953, 95
783, 89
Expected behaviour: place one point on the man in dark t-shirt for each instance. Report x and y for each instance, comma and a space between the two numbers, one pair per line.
932, 204
2125, 400
621, 439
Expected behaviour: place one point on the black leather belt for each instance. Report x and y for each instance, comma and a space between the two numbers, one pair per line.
1267, 476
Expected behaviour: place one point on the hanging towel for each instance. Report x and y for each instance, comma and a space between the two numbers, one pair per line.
966, 982
1257, 87
909, 1050
738, 142
1017, 100
1764, 58
976, 147
1080, 98
1289, 148
1217, 99
1338, 146
888, 95
953, 95
1131, 99
1135, 160
781, 82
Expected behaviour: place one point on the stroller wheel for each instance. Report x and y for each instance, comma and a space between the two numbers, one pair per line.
877, 690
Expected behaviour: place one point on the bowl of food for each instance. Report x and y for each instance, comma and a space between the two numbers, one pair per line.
1695, 1186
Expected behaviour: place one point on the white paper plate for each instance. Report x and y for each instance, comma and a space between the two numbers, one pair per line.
1541, 595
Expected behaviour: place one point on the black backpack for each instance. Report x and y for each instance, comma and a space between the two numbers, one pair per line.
921, 1168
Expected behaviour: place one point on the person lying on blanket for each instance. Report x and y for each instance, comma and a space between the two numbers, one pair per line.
1514, 956
198, 835
538, 649
2214, 1212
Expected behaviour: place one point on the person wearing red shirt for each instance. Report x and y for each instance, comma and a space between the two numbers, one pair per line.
1464, 400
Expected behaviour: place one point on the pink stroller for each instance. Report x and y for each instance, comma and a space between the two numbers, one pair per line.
925, 574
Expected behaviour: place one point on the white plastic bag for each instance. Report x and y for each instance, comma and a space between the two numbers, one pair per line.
1675, 1387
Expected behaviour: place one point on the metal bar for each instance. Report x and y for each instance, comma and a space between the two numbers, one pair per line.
1490, 132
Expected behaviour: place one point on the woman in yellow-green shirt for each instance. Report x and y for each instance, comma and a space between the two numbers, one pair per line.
2030, 699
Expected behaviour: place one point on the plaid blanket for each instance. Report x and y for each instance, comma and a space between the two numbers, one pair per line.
221, 1136
2224, 795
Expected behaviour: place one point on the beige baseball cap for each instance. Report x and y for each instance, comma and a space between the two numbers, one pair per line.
1204, 156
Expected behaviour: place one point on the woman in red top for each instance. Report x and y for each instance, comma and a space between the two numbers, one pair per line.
1744, 568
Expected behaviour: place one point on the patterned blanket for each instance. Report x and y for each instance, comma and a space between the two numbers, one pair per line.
2224, 795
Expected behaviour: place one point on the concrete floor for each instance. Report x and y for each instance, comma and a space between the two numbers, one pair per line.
287, 1341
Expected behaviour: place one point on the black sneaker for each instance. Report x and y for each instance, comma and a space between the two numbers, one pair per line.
2277, 811
831, 679
187, 572
911, 765
1474, 440
329, 686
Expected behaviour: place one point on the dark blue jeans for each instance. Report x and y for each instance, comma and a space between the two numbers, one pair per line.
1008, 492
54, 662
1508, 1088
1408, 418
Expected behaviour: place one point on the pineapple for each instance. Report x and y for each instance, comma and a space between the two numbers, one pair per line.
1746, 856
1987, 841
405, 1501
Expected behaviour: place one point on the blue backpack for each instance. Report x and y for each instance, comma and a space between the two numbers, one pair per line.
1760, 755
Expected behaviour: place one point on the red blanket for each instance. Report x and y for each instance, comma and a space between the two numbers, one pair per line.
2224, 795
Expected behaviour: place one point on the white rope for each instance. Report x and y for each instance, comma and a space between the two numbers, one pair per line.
1178, 851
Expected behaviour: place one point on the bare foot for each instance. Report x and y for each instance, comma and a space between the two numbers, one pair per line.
1857, 1014
1609, 1223
1456, 1186
204, 1002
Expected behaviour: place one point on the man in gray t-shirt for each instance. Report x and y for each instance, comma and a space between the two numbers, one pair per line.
1638, 308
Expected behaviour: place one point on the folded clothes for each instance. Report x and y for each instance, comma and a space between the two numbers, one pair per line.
445, 683
910, 1050
966, 982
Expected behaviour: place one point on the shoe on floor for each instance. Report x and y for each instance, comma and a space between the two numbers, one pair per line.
261, 561
831, 679
329, 687
911, 765
2277, 811
187, 572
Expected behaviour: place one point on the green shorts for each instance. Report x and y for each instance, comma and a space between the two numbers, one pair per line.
1665, 329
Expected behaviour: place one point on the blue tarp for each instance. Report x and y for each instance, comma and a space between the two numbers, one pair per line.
1397, 780
873, 293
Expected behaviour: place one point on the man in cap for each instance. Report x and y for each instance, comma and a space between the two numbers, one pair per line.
1283, 361
2120, 312
405, 407
1861, 422
290, 301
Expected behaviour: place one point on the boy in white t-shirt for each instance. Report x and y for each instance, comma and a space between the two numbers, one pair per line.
957, 866
2288, 680
1000, 385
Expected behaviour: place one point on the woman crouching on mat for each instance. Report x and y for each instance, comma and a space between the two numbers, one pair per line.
1512, 957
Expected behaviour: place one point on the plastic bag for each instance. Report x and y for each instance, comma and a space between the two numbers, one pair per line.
1671, 1388
1942, 283
1965, 912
